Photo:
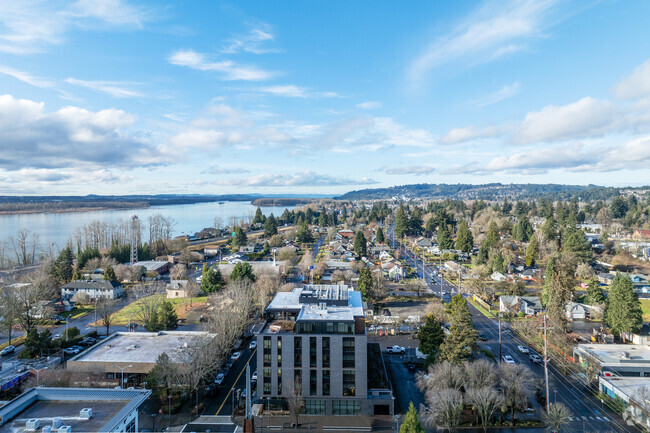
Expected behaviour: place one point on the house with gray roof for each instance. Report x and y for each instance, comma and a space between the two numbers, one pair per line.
95, 288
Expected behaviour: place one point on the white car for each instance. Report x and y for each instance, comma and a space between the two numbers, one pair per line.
71, 351
253, 345
254, 377
57, 337
7, 350
396, 349
508, 359
523, 349
219, 379
235, 356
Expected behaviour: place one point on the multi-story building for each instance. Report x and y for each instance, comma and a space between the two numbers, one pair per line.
315, 346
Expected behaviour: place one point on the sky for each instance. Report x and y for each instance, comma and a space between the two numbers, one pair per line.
320, 97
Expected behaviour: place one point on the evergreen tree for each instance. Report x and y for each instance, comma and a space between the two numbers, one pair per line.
109, 274
259, 216
75, 275
411, 422
444, 240
575, 242
559, 283
270, 227
304, 235
523, 230
62, 267
240, 239
415, 222
431, 336
464, 238
360, 244
401, 222
152, 325
461, 340
380, 235
211, 279
623, 309
532, 251
167, 318
242, 270
492, 235
267, 249
594, 292
496, 262
365, 283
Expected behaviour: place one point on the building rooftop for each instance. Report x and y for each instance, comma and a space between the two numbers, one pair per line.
94, 284
138, 347
618, 353
627, 385
109, 407
320, 302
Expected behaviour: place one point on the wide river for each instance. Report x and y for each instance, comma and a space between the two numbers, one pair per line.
190, 218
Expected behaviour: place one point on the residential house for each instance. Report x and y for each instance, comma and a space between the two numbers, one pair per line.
177, 289
529, 305
423, 243
642, 235
344, 234
385, 255
527, 274
395, 271
578, 311
498, 276
605, 279
95, 289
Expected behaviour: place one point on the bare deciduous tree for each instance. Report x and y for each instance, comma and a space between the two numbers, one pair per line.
442, 375
105, 308
480, 374
178, 272
514, 381
556, 418
25, 245
444, 409
295, 402
81, 298
148, 300
486, 401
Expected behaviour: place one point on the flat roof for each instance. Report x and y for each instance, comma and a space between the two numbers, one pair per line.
627, 385
613, 353
334, 312
139, 347
317, 310
109, 407
287, 301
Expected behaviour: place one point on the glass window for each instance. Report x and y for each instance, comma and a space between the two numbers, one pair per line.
313, 382
267, 343
279, 381
279, 351
326, 352
346, 407
348, 383
348, 352
314, 407
326, 382
267, 381
297, 351
297, 379
312, 351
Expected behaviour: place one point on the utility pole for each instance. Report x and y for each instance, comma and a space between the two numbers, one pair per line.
545, 328
499, 338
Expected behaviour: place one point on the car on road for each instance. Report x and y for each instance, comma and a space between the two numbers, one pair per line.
508, 359
235, 356
254, 377
396, 349
131, 326
57, 337
535, 358
70, 351
253, 345
219, 379
7, 350
482, 337
410, 366
523, 349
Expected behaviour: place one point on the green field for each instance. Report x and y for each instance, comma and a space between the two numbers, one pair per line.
77, 312
645, 306
122, 317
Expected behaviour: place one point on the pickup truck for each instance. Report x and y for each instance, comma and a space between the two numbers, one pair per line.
396, 349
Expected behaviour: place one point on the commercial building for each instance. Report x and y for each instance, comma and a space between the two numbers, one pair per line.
80, 409
633, 392
95, 288
315, 346
622, 360
134, 353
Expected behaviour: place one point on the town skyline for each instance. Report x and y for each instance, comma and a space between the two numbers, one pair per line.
136, 97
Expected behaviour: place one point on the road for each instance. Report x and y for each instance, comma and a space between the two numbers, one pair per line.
586, 409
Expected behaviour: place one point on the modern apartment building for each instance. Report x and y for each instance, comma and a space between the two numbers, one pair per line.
315, 345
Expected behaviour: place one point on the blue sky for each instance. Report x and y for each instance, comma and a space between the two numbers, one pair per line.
126, 97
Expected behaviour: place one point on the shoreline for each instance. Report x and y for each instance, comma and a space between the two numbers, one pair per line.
72, 210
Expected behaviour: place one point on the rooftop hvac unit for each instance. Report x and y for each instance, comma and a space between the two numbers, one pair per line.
47, 429
64, 429
56, 423
32, 424
86, 413
625, 355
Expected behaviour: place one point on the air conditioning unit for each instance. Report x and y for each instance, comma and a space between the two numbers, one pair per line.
47, 429
56, 423
86, 413
32, 424
64, 429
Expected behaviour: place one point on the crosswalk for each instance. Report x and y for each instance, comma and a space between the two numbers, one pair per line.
589, 418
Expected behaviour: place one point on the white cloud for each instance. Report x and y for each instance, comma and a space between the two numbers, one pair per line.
587, 117
252, 42
113, 88
26, 77
505, 92
70, 137
416, 170
636, 85
230, 70
292, 91
370, 105
304, 178
459, 135
28, 26
494, 30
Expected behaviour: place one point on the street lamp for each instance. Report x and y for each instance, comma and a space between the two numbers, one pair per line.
153, 422
129, 325
122, 370
555, 392
38, 370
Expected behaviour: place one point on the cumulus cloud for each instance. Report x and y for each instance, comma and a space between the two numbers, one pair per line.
416, 170
636, 85
460, 135
69, 137
492, 31
370, 105
230, 71
304, 178
253, 41
587, 117
113, 88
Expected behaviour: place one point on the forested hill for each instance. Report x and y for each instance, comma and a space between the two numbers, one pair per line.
489, 191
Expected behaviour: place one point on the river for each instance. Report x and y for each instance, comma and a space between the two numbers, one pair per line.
190, 218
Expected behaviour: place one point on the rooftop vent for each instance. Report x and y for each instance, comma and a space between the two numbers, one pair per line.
32, 424
625, 355
47, 429
56, 423
86, 413
64, 429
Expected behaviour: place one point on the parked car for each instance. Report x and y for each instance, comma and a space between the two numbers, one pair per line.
235, 356
7, 350
482, 337
508, 359
70, 351
396, 349
57, 337
253, 345
219, 379
211, 390
535, 358
410, 366
131, 326
523, 349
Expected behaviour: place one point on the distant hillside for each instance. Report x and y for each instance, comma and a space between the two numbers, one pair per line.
491, 191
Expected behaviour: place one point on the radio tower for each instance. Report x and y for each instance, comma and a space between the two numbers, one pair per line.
134, 239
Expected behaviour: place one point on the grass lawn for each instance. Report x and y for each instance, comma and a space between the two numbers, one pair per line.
77, 312
180, 306
645, 306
